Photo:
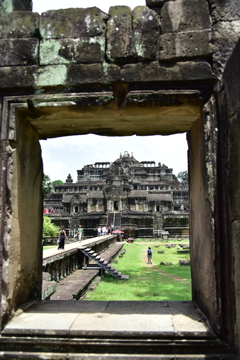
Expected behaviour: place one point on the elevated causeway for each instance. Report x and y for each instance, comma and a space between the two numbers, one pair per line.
63, 274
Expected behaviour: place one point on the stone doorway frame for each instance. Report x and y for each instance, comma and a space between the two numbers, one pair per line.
16, 109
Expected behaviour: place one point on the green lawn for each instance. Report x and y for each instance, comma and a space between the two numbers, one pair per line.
146, 282
49, 247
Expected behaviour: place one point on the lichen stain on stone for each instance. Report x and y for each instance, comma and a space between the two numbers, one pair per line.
49, 53
108, 53
138, 46
88, 22
51, 75
7, 6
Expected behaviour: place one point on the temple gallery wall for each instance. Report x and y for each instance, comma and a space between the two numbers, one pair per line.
163, 68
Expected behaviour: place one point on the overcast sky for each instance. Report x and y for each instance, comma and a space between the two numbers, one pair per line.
62, 156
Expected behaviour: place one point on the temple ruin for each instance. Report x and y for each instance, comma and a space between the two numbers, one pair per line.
141, 198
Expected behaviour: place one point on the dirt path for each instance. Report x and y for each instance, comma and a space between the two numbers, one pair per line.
144, 257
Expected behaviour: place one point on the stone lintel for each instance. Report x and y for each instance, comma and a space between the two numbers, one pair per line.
180, 71
89, 74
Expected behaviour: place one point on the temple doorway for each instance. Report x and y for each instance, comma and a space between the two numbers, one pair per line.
116, 205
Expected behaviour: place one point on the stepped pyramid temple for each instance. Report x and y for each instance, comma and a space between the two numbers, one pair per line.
140, 198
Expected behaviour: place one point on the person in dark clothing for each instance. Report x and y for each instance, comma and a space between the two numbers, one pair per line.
149, 255
62, 236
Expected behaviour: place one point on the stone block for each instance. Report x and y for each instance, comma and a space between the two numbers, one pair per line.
8, 6
18, 52
180, 71
14, 75
119, 34
110, 73
145, 25
68, 51
225, 36
184, 44
225, 10
147, 71
192, 70
52, 75
84, 74
73, 23
182, 15
21, 24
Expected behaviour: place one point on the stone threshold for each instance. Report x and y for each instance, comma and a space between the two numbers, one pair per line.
102, 318
120, 327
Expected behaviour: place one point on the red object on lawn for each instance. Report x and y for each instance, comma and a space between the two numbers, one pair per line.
117, 232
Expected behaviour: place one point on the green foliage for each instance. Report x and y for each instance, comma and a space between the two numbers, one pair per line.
49, 229
183, 176
145, 282
57, 182
46, 185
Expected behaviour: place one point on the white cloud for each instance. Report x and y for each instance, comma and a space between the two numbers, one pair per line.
66, 155
45, 5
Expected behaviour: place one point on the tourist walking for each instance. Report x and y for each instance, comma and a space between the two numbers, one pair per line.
80, 232
62, 237
149, 255
104, 230
99, 231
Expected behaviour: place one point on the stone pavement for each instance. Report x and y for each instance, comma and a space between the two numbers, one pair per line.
110, 318
75, 245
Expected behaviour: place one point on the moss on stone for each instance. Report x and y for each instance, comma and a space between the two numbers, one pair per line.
51, 75
49, 53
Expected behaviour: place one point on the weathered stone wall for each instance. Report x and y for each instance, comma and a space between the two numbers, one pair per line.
228, 198
202, 183
79, 46
23, 219
60, 73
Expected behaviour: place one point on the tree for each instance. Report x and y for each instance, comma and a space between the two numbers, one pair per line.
46, 185
57, 182
49, 229
183, 176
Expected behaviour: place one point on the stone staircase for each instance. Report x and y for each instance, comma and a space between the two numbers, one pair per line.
101, 264
117, 221
110, 219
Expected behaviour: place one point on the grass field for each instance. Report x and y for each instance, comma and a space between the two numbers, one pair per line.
146, 282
